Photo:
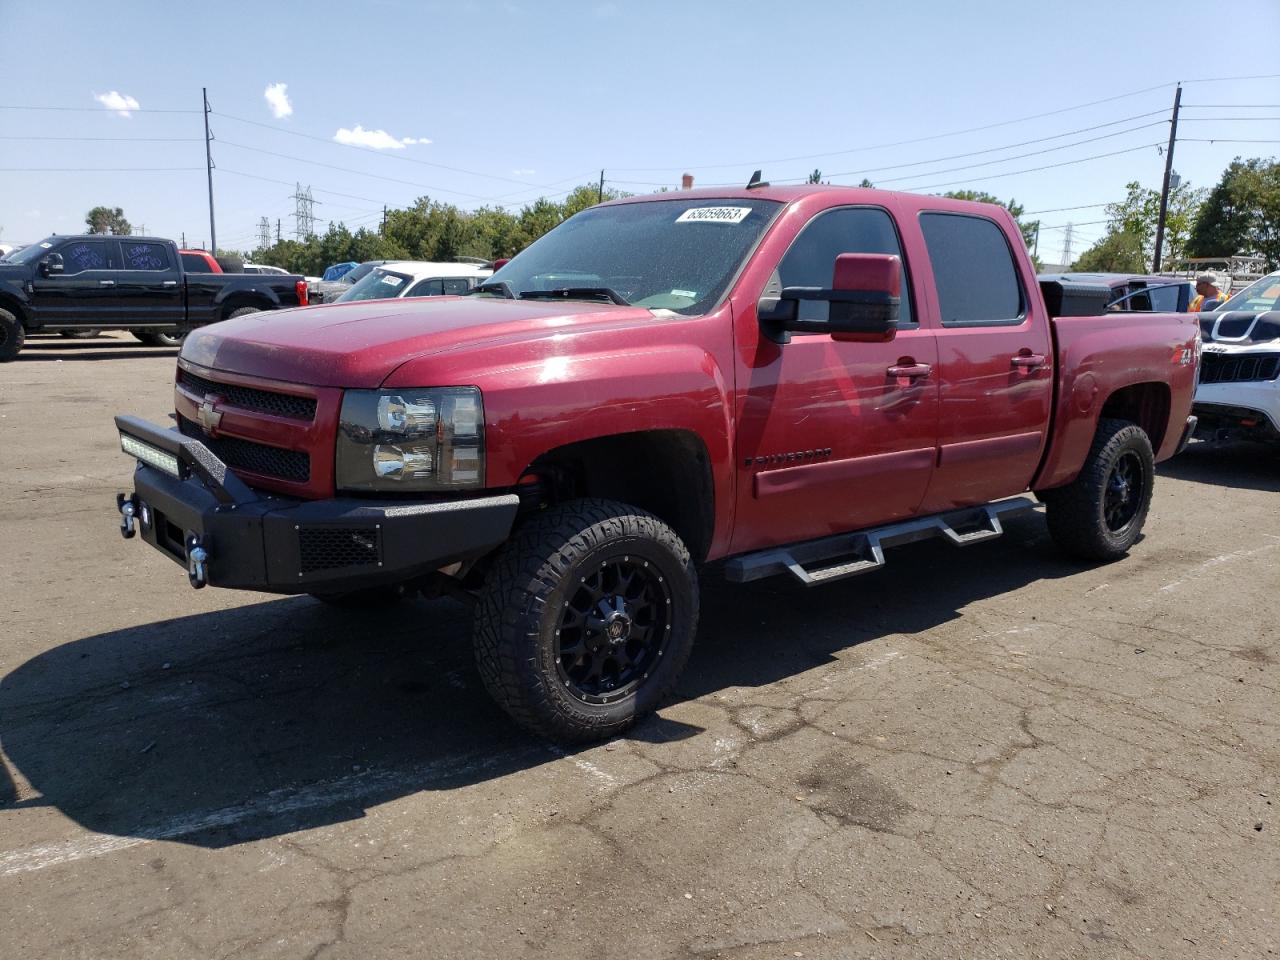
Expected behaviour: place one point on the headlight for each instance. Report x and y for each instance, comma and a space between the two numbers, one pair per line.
411, 439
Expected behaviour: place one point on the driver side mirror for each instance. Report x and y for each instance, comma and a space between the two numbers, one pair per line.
50, 265
1209, 305
865, 296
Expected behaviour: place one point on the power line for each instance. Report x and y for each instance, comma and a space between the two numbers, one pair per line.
359, 173
390, 156
1215, 140
1233, 106
94, 109
113, 139
1049, 166
1083, 206
95, 169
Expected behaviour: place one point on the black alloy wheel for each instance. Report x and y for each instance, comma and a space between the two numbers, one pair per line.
1125, 491
613, 628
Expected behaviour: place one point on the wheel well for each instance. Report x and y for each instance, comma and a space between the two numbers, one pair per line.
666, 472
14, 307
1146, 404
236, 301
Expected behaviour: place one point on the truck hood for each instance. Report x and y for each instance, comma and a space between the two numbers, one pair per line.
359, 344
1240, 328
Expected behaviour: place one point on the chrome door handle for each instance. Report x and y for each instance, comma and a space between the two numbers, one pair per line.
171, 283
1027, 361
909, 371
106, 283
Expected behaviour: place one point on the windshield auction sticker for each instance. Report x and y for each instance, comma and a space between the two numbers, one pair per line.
714, 215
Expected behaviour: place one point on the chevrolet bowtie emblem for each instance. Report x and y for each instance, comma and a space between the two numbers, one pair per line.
209, 417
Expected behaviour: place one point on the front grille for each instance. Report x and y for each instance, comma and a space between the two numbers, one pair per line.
1239, 367
251, 398
251, 456
330, 549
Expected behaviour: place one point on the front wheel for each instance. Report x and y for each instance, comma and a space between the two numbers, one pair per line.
12, 336
586, 620
155, 338
1099, 515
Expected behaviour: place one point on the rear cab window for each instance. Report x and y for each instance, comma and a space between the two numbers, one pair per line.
974, 271
141, 255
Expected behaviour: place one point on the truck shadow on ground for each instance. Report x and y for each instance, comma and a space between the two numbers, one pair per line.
286, 715
1241, 464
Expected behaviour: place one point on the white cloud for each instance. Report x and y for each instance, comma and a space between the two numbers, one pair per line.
278, 100
523, 172
121, 103
375, 139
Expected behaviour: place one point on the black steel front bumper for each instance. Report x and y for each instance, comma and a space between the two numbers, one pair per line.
188, 505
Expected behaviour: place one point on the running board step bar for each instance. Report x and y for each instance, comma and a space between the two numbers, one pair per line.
863, 551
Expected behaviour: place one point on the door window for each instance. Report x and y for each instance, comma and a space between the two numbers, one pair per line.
457, 286
811, 259
426, 288
81, 255
973, 270
144, 256
1165, 299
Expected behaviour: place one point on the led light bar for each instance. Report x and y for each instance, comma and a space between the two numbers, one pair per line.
152, 456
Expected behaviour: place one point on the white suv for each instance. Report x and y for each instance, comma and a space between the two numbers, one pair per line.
1239, 390
415, 278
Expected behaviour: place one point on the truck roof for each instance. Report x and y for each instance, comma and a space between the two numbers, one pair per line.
790, 192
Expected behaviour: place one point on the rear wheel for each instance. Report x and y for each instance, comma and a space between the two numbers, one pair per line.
586, 620
240, 312
12, 336
1100, 514
155, 338
88, 333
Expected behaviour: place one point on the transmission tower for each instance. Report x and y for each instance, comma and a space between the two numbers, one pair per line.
1067, 236
264, 233
304, 213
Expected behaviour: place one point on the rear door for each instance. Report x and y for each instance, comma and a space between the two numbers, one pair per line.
995, 360
83, 294
148, 284
834, 436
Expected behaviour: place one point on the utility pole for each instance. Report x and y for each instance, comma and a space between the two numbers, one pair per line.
1168, 172
264, 233
184, 239
600, 192
1035, 248
1164, 190
383, 228
1067, 237
208, 161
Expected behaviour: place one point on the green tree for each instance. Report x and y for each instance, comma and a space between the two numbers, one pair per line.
108, 220
1130, 239
1120, 251
815, 177
1241, 213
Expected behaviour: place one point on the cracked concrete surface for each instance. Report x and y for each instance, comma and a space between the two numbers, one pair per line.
980, 754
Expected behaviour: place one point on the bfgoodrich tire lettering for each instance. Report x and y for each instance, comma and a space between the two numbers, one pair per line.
1100, 514
631, 577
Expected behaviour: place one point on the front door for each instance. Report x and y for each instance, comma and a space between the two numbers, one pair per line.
835, 436
83, 294
995, 359
149, 284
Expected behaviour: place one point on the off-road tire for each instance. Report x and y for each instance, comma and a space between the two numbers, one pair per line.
12, 336
520, 610
241, 311
157, 338
1077, 513
87, 333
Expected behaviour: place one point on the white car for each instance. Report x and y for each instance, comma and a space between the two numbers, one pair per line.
1239, 390
416, 278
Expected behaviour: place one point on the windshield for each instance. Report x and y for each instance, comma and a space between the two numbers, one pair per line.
33, 252
378, 285
677, 255
358, 273
1259, 297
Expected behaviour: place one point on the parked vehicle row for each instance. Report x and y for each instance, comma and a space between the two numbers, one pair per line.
786, 379
140, 284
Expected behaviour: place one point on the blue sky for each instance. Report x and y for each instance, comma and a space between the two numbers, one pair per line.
499, 102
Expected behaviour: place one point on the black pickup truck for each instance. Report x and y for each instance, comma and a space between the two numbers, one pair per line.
87, 283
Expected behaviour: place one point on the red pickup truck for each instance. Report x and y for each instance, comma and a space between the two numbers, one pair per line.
788, 379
